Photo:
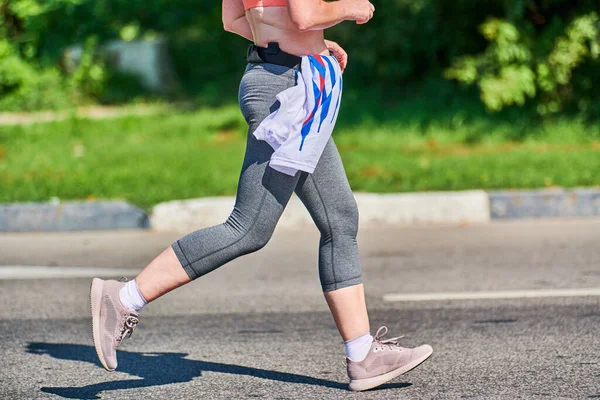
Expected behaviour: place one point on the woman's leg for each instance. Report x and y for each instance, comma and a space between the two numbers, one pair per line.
261, 198
162, 275
349, 311
262, 195
328, 197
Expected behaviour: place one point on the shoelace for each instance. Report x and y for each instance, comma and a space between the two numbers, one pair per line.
128, 327
130, 322
387, 342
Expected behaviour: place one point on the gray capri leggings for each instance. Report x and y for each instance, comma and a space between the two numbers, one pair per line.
263, 193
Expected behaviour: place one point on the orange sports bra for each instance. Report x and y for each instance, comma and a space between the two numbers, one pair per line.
263, 3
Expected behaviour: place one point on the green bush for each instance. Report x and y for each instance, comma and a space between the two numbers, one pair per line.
24, 88
515, 67
40, 90
33, 37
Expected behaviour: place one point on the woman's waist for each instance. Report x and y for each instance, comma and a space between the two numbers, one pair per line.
296, 43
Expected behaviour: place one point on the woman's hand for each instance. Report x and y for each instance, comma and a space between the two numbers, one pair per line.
338, 53
360, 11
311, 15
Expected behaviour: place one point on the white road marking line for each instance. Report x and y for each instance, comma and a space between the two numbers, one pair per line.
509, 294
36, 272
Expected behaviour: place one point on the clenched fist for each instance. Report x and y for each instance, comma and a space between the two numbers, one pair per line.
360, 11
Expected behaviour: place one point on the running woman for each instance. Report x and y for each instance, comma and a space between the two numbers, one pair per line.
282, 32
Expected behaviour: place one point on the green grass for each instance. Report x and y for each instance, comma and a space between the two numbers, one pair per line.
412, 146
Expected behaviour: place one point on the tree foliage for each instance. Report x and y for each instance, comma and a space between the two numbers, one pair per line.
517, 66
518, 53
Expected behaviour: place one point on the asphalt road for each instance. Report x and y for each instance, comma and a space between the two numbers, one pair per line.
259, 327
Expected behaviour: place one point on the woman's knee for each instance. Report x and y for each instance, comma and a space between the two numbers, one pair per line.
251, 236
257, 238
342, 219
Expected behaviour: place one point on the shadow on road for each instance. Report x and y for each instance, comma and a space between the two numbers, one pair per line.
157, 369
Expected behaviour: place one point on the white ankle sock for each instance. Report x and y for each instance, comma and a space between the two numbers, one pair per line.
358, 348
131, 297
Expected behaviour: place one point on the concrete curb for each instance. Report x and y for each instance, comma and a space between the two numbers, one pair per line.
475, 206
71, 216
580, 202
439, 207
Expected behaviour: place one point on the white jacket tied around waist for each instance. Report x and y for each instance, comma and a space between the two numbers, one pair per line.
299, 130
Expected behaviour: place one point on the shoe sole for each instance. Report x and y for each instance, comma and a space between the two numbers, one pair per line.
95, 305
370, 383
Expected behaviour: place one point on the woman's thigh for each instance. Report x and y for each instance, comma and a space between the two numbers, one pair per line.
262, 192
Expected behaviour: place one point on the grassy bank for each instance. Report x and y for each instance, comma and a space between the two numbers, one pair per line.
154, 158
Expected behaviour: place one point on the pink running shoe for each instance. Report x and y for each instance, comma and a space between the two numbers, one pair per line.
111, 321
385, 361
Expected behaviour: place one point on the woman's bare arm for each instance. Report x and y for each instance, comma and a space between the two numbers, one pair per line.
319, 15
234, 19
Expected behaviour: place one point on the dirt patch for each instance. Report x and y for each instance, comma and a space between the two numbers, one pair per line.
91, 112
